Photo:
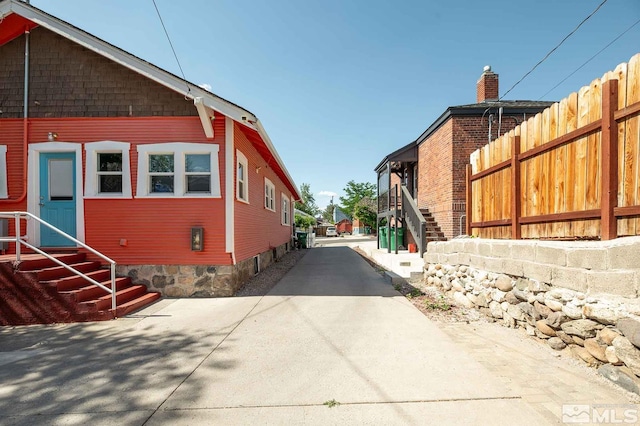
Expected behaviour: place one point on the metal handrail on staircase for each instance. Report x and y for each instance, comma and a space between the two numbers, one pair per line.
414, 218
19, 240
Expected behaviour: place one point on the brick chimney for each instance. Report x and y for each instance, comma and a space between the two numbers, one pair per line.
487, 86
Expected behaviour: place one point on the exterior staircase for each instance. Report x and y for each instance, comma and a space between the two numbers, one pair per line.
36, 290
433, 232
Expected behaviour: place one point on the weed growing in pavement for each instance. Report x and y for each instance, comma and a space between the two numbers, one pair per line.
397, 287
331, 403
440, 304
414, 293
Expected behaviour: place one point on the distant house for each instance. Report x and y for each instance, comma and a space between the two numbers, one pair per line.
429, 173
339, 215
182, 188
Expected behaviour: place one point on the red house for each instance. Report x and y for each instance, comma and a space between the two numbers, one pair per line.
182, 188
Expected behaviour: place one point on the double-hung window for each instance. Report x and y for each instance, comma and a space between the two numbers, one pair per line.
242, 177
178, 170
108, 170
286, 210
269, 195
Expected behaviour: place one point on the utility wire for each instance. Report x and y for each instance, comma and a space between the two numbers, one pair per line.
171, 44
590, 59
553, 50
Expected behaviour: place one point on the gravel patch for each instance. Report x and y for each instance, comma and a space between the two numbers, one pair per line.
261, 284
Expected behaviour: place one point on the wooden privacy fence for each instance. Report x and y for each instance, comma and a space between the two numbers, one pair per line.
569, 172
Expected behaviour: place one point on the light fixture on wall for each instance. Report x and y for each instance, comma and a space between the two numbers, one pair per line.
52, 136
258, 169
197, 238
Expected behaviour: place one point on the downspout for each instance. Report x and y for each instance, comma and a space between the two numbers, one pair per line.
25, 124
229, 192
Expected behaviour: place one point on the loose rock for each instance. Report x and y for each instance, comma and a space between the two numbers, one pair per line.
556, 319
496, 309
529, 311
619, 377
606, 335
584, 355
583, 328
627, 353
504, 283
596, 349
600, 313
462, 300
630, 328
556, 343
511, 298
543, 310
610, 354
564, 337
554, 305
572, 311
545, 329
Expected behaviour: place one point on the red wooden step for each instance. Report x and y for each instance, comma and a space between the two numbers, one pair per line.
92, 291
41, 262
122, 296
75, 281
56, 272
135, 304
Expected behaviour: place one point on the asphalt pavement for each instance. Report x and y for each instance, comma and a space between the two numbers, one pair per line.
332, 343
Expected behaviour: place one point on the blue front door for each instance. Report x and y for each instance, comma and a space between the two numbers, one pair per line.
57, 197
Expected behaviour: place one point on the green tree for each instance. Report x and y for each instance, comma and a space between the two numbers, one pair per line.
354, 193
327, 214
308, 202
304, 222
366, 210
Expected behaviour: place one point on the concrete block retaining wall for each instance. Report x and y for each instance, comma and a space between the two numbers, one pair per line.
582, 296
199, 280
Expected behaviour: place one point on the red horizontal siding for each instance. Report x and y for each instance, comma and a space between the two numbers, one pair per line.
258, 229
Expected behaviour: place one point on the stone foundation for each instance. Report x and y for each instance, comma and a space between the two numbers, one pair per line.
199, 280
580, 295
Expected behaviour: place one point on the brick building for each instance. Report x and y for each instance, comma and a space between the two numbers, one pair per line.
132, 160
432, 168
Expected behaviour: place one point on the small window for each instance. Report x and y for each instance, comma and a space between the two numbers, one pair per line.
269, 195
109, 172
3, 172
286, 213
198, 173
161, 173
242, 178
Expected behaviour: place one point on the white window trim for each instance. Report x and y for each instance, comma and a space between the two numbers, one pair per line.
4, 192
91, 180
269, 188
179, 150
241, 159
285, 217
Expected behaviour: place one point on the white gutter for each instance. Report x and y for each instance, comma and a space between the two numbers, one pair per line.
267, 141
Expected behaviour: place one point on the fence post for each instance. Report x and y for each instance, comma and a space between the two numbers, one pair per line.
516, 228
609, 166
468, 206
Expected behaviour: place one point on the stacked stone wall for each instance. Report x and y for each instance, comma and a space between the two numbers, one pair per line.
598, 327
200, 280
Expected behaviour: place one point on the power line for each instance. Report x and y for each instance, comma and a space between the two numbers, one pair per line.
591, 58
171, 44
554, 49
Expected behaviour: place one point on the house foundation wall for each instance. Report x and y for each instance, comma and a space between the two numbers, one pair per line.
200, 280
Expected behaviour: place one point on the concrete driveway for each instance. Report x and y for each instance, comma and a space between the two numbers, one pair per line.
332, 331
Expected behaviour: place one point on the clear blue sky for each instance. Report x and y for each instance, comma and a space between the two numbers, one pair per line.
339, 84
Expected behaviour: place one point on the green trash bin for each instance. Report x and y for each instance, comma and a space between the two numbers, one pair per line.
383, 237
302, 239
400, 238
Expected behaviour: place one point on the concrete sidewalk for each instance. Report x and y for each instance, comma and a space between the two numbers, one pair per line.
403, 264
331, 331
